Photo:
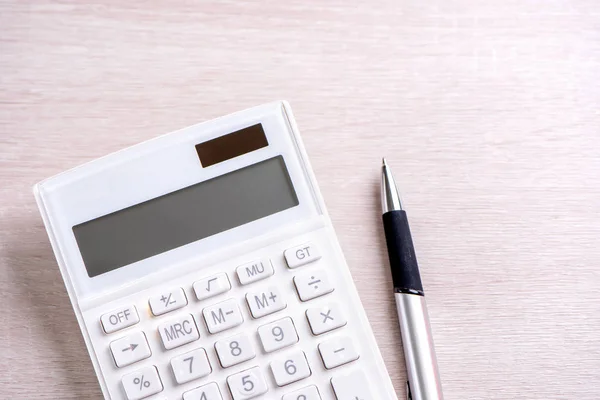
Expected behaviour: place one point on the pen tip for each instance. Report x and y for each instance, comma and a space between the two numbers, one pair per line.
384, 162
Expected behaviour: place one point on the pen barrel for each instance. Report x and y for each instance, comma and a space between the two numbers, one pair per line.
403, 260
419, 352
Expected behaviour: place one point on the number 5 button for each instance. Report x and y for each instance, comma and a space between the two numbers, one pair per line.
290, 368
247, 384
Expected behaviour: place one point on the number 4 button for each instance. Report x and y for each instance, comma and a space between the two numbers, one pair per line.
206, 392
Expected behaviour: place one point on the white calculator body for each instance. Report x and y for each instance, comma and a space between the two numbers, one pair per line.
202, 265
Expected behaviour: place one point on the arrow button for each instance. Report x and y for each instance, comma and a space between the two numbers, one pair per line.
130, 349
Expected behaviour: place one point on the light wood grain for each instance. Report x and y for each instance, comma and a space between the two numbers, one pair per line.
488, 111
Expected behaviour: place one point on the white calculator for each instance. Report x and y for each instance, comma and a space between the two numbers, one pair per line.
202, 265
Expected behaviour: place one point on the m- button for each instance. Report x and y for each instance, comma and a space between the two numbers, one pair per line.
120, 318
301, 255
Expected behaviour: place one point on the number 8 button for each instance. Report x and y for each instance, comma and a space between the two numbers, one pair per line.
247, 384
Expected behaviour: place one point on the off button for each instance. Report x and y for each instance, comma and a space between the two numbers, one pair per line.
119, 319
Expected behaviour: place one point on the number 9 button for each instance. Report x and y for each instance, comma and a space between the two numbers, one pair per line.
278, 334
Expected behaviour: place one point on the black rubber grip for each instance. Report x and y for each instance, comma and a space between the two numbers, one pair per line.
403, 261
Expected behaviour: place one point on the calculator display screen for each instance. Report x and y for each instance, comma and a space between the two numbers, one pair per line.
185, 216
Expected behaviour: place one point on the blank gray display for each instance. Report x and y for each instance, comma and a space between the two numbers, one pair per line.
185, 216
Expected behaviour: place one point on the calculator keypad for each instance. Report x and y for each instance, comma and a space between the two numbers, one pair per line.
190, 366
179, 331
130, 349
235, 350
265, 302
142, 383
287, 366
247, 384
222, 316
278, 334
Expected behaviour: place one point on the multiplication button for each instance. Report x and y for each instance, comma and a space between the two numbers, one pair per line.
119, 318
142, 383
325, 319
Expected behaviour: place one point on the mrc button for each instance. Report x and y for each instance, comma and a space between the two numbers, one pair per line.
119, 318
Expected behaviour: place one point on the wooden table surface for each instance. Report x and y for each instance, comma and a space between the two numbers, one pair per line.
488, 111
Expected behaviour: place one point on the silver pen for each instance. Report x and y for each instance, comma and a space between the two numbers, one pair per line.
421, 364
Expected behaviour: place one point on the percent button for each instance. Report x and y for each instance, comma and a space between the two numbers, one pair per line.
142, 383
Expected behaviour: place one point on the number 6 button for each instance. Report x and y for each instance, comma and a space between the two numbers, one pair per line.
247, 384
290, 368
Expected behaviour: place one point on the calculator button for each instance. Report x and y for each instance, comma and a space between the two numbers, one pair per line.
178, 331
120, 318
278, 334
290, 368
265, 302
142, 383
301, 255
352, 386
307, 393
234, 350
222, 316
167, 301
325, 319
211, 286
190, 366
247, 384
254, 271
312, 284
206, 392
130, 349
338, 351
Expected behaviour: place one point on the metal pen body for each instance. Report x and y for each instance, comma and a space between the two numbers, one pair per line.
421, 364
